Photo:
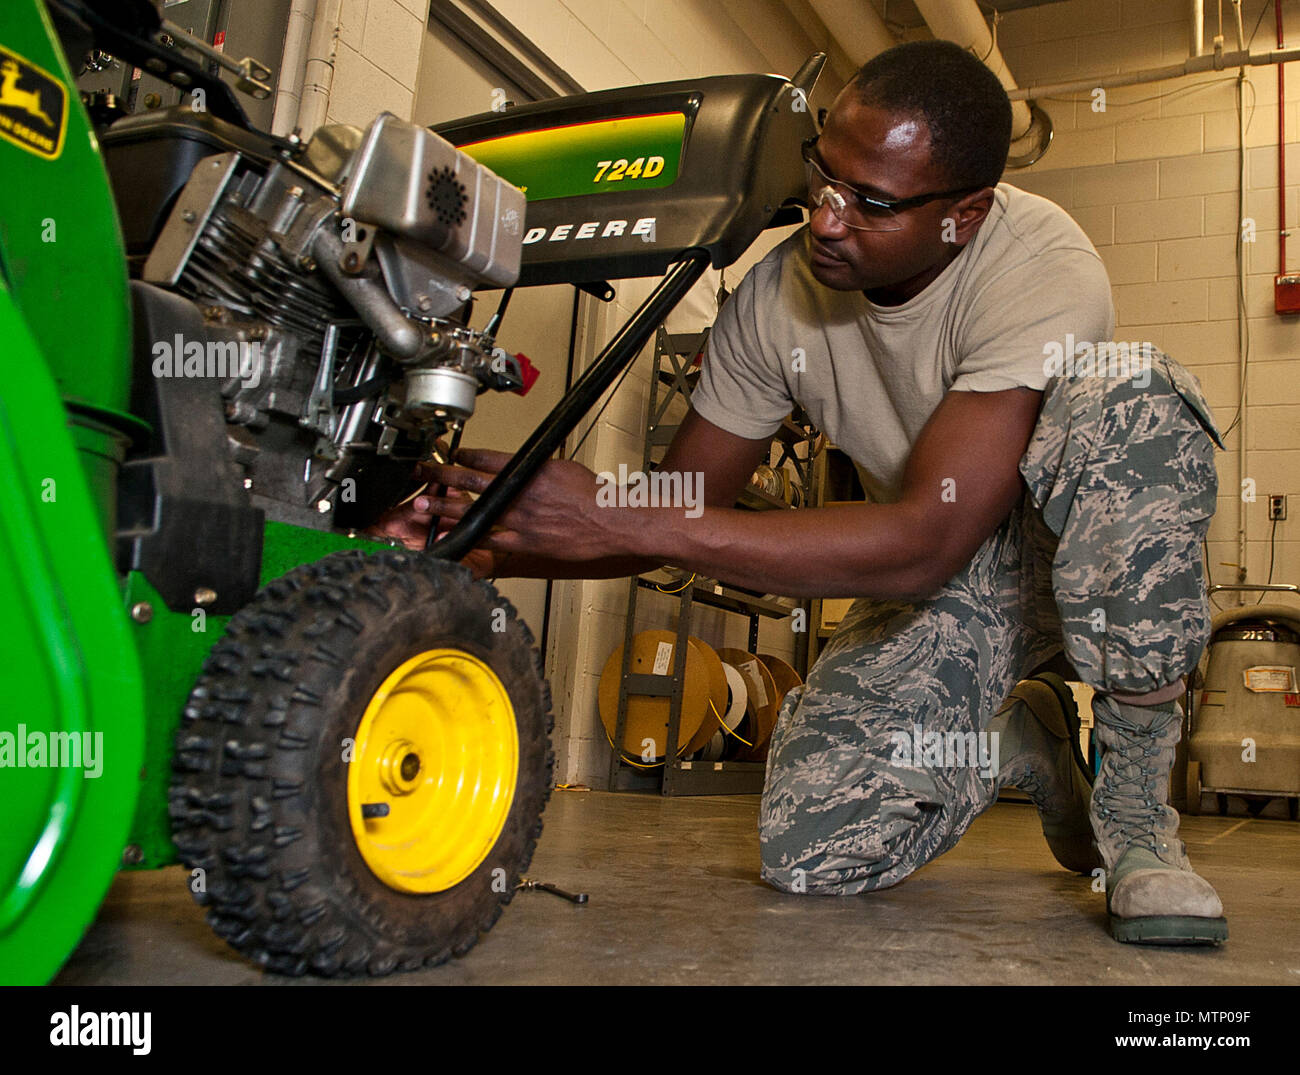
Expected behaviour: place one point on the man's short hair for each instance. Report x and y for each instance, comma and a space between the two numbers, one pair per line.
961, 101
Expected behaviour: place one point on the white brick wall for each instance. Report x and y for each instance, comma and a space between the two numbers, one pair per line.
1162, 159
378, 59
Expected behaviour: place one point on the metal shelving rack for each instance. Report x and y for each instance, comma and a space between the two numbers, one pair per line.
675, 369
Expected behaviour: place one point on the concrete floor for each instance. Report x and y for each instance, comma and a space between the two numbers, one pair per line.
675, 899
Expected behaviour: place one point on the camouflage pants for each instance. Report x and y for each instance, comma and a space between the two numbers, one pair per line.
1101, 559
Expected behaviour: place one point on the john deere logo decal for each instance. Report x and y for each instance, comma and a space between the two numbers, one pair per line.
33, 106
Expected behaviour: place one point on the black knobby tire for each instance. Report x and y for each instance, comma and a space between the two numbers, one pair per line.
259, 792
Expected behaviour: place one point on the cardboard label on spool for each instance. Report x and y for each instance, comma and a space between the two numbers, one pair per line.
755, 680
663, 659
1270, 677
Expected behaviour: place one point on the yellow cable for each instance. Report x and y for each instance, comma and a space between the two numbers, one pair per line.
723, 724
623, 757
679, 588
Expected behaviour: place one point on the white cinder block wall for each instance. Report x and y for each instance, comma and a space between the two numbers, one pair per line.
378, 59
1153, 180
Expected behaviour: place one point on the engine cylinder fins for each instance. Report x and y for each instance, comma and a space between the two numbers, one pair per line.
261, 282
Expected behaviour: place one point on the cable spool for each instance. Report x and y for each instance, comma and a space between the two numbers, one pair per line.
703, 690
717, 700
785, 677
761, 703
737, 703
768, 479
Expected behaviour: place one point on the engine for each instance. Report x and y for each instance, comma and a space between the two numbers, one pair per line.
334, 283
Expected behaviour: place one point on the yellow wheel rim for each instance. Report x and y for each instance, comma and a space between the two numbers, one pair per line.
433, 771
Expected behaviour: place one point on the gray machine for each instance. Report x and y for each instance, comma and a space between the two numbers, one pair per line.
234, 28
327, 288
1245, 731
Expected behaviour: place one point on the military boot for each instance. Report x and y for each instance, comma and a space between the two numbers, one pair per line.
1152, 894
1038, 743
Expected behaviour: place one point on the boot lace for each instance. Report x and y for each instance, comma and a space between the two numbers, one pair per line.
1126, 805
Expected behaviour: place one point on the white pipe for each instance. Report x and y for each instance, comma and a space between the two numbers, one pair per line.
839, 67
1194, 65
318, 76
1196, 28
288, 90
961, 21
856, 26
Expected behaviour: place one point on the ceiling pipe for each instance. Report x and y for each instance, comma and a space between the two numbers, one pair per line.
960, 21
1196, 27
856, 27
1194, 65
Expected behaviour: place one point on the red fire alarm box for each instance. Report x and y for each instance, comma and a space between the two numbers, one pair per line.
1286, 293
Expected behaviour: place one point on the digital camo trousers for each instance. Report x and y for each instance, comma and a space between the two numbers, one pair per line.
1101, 559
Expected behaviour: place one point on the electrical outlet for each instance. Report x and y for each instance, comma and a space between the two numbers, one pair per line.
1277, 506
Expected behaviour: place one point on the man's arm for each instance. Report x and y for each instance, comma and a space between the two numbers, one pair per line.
962, 480
723, 460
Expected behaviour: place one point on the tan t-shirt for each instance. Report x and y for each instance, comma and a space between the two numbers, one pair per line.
870, 376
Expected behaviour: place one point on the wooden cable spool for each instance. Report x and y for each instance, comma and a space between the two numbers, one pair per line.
717, 704
762, 702
785, 678
737, 699
704, 688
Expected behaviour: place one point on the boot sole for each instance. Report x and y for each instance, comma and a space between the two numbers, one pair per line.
1073, 723
1169, 930
1087, 861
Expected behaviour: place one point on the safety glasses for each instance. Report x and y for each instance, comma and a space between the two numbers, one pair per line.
855, 208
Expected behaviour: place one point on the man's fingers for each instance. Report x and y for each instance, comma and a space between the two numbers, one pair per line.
458, 477
444, 507
483, 459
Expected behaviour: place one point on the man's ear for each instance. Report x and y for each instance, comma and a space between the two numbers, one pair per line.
969, 213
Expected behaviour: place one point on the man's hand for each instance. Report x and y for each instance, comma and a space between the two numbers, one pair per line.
409, 523
556, 522
555, 517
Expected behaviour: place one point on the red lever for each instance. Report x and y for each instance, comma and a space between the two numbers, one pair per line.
528, 371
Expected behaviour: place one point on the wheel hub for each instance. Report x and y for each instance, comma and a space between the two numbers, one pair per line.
399, 766
438, 746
